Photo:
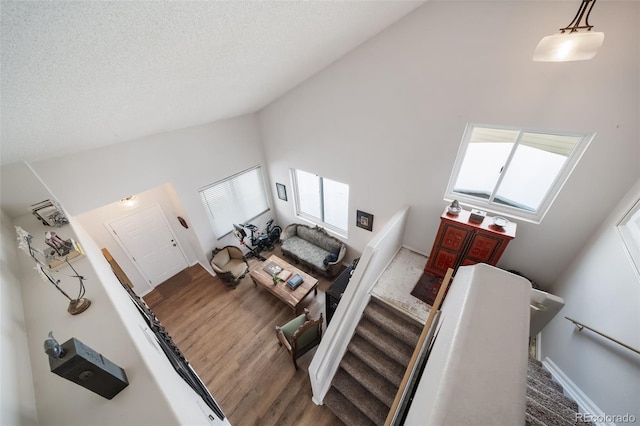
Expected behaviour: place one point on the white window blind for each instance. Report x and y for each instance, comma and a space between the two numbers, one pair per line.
236, 199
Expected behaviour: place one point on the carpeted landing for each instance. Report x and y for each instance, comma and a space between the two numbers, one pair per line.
363, 389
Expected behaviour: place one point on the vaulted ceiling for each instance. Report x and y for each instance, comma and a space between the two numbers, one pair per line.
80, 75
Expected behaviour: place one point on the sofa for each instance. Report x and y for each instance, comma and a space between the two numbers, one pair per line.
314, 248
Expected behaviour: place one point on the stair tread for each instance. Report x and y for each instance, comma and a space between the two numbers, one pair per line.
543, 376
546, 402
360, 396
551, 403
548, 383
393, 321
533, 368
387, 343
552, 393
541, 412
396, 311
377, 384
380, 362
530, 420
344, 409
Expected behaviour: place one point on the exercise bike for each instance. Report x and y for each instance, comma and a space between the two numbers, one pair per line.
258, 241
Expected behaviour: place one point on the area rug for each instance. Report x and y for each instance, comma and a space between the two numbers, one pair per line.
426, 289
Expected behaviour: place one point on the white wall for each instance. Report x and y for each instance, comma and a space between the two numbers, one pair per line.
388, 117
188, 159
601, 290
112, 326
17, 399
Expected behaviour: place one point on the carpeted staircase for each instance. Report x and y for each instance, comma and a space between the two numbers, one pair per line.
363, 389
371, 370
546, 403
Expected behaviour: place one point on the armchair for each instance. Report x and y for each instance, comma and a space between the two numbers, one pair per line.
300, 335
229, 264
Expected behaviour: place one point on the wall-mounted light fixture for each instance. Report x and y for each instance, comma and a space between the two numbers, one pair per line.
576, 41
128, 201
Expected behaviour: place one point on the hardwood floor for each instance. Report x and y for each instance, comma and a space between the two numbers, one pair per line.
228, 337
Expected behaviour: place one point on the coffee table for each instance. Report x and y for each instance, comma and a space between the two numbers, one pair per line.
281, 290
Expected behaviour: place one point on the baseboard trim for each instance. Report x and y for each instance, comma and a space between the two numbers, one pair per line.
144, 293
207, 268
585, 404
415, 250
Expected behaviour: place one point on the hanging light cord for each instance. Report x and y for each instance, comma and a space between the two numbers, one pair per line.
575, 24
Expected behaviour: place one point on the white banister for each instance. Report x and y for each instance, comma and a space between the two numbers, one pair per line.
476, 372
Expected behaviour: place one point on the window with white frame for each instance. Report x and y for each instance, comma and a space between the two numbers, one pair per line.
236, 199
321, 200
629, 228
513, 171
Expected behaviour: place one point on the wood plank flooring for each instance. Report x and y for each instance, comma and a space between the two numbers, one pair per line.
228, 337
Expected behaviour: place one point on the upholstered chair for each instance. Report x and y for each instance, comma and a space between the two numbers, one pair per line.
229, 264
300, 335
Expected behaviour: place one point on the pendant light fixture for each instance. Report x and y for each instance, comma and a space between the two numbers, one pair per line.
575, 42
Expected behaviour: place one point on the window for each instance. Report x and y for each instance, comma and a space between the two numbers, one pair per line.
321, 200
236, 199
513, 171
629, 228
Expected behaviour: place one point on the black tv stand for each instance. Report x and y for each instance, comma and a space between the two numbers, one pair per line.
334, 293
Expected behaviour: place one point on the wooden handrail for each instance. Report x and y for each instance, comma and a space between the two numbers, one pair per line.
391, 417
581, 326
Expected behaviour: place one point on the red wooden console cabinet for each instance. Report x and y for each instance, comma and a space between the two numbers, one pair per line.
460, 243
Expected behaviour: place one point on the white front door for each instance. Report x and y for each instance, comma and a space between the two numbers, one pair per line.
147, 239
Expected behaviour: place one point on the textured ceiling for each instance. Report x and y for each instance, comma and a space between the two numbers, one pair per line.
82, 74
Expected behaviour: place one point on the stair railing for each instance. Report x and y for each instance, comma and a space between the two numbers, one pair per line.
582, 326
418, 358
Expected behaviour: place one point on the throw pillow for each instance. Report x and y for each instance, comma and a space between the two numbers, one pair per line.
330, 259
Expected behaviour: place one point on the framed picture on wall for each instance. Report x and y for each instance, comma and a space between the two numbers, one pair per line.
282, 191
364, 220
